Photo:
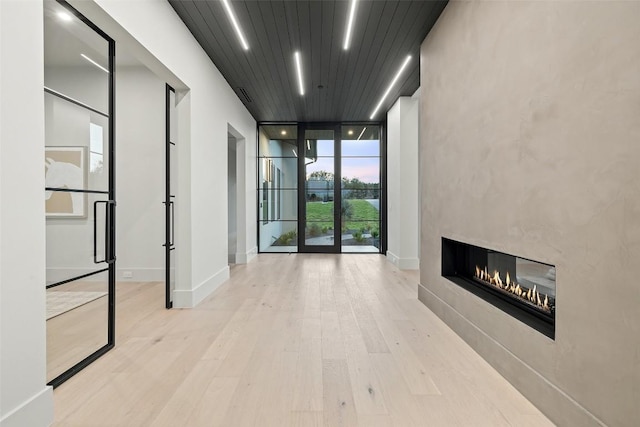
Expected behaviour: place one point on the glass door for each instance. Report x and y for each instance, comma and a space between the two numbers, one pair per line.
79, 191
319, 227
170, 196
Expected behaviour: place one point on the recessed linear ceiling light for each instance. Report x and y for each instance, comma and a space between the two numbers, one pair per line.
393, 82
64, 16
352, 13
94, 62
232, 18
294, 152
299, 71
361, 133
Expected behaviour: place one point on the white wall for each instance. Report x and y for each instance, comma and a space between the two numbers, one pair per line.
140, 173
25, 400
203, 117
403, 231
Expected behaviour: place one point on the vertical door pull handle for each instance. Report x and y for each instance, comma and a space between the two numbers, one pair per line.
95, 233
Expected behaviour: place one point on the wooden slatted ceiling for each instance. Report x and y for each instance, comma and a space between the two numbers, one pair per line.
352, 81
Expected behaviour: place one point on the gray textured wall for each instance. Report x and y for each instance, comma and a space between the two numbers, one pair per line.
530, 144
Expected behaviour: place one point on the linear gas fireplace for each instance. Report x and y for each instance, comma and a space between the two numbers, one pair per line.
523, 288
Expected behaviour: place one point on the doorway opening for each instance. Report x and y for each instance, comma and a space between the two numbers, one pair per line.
232, 189
236, 197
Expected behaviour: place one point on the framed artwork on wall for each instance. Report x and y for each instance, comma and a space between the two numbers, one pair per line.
65, 169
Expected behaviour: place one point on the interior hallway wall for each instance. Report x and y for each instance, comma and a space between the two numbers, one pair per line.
140, 173
207, 105
403, 225
25, 400
529, 145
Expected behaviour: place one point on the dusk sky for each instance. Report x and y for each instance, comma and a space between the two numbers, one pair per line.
354, 165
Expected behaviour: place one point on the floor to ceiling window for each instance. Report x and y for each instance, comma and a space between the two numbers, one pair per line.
360, 188
278, 188
319, 187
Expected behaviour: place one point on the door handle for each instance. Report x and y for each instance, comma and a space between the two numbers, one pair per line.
110, 253
95, 232
173, 224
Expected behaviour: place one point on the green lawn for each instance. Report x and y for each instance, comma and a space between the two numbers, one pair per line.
363, 215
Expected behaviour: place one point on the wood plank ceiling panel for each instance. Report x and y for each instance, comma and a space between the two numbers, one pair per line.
399, 41
339, 59
367, 15
376, 29
352, 81
262, 20
304, 30
315, 55
389, 58
330, 42
284, 58
253, 59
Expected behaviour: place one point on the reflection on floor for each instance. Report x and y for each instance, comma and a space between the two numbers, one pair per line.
291, 340
59, 302
78, 324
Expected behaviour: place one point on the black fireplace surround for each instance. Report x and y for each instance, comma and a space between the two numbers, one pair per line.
523, 288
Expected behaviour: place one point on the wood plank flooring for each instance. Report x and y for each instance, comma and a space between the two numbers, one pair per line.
291, 340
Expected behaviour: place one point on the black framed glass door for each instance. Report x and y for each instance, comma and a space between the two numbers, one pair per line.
170, 196
79, 191
319, 223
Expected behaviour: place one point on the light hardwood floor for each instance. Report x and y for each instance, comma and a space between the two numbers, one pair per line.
291, 340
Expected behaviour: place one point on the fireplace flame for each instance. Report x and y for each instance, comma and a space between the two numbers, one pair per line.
531, 295
497, 280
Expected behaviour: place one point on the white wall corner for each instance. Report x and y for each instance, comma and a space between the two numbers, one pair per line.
37, 411
393, 258
189, 298
409, 263
250, 255
246, 257
403, 263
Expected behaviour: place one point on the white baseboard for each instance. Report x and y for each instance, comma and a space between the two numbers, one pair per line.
137, 274
140, 274
403, 263
189, 298
253, 252
245, 258
36, 412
